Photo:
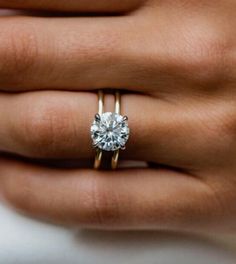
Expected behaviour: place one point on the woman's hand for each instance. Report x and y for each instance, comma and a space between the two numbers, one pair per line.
177, 62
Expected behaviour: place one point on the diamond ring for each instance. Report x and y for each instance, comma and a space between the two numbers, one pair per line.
109, 131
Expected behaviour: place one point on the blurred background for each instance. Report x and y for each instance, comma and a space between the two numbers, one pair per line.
27, 241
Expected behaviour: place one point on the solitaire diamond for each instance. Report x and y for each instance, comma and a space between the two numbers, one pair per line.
110, 131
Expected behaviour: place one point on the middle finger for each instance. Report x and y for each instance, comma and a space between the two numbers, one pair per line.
73, 53
56, 124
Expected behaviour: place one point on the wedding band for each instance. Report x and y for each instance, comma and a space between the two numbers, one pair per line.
109, 131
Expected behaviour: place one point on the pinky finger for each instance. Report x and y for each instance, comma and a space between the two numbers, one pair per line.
123, 199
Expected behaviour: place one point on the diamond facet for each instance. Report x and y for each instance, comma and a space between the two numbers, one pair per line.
110, 132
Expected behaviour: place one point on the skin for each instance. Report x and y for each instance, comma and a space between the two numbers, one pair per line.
176, 61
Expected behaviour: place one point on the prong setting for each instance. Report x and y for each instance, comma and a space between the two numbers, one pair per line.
110, 131
123, 147
95, 145
97, 117
125, 118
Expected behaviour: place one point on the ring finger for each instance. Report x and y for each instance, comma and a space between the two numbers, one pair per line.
55, 124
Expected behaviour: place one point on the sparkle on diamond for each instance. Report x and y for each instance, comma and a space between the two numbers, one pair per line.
111, 132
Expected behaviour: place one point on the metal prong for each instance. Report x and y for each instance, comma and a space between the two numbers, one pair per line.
125, 118
97, 117
123, 147
95, 145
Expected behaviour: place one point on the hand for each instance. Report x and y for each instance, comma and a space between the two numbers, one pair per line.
176, 60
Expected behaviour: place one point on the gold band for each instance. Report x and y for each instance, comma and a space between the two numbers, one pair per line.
98, 156
115, 157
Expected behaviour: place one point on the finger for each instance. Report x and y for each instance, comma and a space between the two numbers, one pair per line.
53, 124
73, 53
74, 6
56, 124
125, 199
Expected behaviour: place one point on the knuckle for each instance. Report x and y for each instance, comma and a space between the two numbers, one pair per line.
203, 58
194, 56
218, 196
103, 49
220, 127
45, 128
101, 207
18, 191
225, 121
227, 125
18, 50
